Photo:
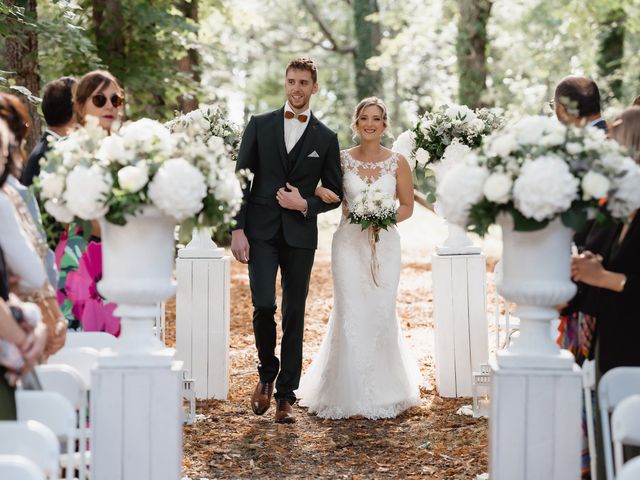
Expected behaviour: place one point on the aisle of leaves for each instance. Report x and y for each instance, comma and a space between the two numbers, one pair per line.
429, 441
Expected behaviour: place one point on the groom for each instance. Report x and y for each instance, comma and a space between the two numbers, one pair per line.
289, 151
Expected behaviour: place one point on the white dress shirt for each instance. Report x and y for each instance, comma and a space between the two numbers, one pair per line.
294, 128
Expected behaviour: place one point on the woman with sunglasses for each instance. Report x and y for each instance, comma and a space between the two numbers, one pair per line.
97, 94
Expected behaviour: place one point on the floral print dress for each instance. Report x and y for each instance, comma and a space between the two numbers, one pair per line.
80, 265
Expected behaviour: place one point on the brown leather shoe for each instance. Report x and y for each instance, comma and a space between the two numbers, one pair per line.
261, 398
284, 412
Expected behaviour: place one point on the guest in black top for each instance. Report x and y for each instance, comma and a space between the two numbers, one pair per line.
57, 108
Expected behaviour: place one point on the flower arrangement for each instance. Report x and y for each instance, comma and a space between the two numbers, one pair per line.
373, 209
537, 170
91, 175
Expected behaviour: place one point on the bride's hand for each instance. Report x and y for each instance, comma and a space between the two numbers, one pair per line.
326, 195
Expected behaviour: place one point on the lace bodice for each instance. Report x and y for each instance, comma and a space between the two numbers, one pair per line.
358, 175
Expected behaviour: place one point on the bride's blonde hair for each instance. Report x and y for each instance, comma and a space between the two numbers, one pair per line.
364, 103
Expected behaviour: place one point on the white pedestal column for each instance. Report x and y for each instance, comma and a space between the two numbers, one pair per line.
136, 429
535, 424
202, 315
461, 330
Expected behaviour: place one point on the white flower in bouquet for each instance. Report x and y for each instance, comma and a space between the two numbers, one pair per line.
460, 187
112, 149
626, 196
462, 113
476, 125
594, 185
86, 192
178, 189
544, 188
502, 144
146, 136
497, 187
133, 178
422, 157
52, 185
532, 130
58, 210
404, 145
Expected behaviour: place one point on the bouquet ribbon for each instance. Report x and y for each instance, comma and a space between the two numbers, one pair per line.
374, 236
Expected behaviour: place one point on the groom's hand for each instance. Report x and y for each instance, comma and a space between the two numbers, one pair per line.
240, 246
291, 199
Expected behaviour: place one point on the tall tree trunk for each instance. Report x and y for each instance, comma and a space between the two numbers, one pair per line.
21, 49
368, 38
108, 26
471, 47
190, 62
611, 49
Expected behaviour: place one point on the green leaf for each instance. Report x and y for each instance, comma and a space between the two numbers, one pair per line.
575, 218
525, 224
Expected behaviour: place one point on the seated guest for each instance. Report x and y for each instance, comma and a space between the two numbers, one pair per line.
16, 119
577, 102
610, 268
57, 108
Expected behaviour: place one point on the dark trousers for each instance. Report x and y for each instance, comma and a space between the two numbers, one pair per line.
265, 256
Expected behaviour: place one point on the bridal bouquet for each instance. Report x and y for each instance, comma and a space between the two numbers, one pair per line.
446, 134
536, 170
374, 210
91, 175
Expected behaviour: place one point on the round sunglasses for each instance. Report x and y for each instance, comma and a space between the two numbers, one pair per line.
100, 100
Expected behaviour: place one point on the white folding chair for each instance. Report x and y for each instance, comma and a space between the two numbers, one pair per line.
630, 470
588, 387
67, 381
83, 359
615, 385
54, 411
33, 441
625, 427
97, 340
17, 467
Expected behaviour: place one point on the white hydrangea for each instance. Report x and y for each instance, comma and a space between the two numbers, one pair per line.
460, 188
497, 188
58, 210
594, 185
544, 188
133, 178
501, 145
404, 145
594, 138
455, 151
52, 185
86, 191
626, 196
531, 130
146, 135
112, 149
227, 188
178, 189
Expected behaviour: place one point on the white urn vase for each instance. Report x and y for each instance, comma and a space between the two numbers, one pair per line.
457, 241
536, 276
137, 274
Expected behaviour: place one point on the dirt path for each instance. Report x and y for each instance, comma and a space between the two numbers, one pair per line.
428, 441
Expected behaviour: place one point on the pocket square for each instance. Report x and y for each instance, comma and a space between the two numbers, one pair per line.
314, 154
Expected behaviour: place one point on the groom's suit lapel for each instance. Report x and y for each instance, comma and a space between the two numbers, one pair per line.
278, 118
309, 139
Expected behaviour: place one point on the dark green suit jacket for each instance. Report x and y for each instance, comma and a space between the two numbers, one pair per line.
263, 152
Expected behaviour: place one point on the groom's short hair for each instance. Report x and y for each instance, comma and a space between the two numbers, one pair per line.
581, 92
303, 63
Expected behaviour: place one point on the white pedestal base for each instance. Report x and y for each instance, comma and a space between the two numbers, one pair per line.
534, 426
202, 320
136, 430
461, 330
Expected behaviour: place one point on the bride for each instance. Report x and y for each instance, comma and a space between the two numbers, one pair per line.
363, 367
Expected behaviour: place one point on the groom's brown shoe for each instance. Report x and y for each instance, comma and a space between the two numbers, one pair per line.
261, 398
284, 412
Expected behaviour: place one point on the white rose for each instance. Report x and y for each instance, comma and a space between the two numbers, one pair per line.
52, 185
86, 192
133, 178
112, 149
422, 157
477, 125
455, 151
497, 188
147, 135
178, 189
58, 210
405, 144
544, 188
594, 185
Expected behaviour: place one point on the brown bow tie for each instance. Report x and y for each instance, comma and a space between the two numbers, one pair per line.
289, 114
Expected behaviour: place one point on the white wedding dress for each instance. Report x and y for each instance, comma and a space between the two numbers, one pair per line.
363, 366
